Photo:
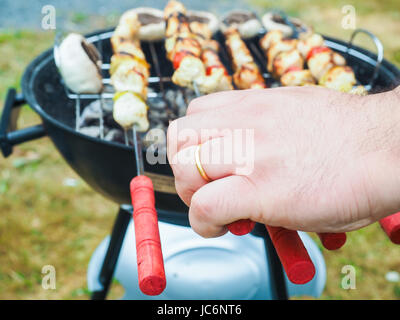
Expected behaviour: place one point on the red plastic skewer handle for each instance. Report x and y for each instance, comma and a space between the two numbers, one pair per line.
293, 255
332, 241
241, 227
391, 225
150, 261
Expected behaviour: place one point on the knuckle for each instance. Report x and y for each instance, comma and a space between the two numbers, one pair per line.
184, 192
194, 105
172, 133
200, 208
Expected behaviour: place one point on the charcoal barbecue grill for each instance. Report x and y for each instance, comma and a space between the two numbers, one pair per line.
107, 165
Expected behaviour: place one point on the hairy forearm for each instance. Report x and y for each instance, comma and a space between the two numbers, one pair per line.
384, 135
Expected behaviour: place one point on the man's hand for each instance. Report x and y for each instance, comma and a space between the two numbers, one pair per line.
308, 159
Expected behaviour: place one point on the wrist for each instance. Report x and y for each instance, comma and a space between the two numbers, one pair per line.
383, 134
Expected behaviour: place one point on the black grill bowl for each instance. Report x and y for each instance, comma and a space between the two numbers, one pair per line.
108, 166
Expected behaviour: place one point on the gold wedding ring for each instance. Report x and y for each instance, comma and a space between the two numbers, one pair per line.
199, 166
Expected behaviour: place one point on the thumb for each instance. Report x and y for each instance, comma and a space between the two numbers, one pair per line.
221, 202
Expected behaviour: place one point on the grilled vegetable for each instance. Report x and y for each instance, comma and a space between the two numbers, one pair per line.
79, 63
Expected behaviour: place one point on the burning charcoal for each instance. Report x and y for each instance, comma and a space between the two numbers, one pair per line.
91, 114
107, 106
190, 95
170, 95
91, 131
114, 135
110, 122
158, 115
156, 123
181, 105
157, 104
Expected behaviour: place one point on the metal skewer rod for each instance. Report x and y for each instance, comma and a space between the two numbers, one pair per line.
126, 137
138, 151
150, 262
196, 89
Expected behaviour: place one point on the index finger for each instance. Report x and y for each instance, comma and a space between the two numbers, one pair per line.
200, 127
216, 100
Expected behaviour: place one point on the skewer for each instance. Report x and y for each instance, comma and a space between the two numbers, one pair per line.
293, 255
160, 79
157, 66
151, 274
150, 263
391, 226
291, 251
196, 89
99, 46
126, 137
331, 241
138, 151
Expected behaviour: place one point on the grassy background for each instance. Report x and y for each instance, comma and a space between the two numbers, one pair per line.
45, 221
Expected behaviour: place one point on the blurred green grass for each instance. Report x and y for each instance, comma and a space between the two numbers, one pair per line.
45, 222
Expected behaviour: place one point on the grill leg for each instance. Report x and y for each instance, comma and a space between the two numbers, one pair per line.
277, 276
278, 282
110, 260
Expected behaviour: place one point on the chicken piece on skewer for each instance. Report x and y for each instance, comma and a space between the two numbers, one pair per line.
284, 60
270, 38
210, 57
184, 49
309, 41
180, 38
297, 77
321, 59
286, 63
327, 66
213, 65
247, 74
130, 109
339, 78
129, 74
276, 48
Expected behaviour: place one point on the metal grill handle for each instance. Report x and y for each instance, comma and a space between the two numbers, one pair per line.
379, 48
9, 136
